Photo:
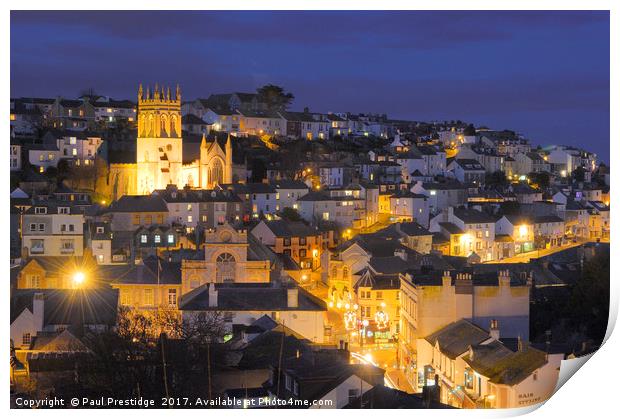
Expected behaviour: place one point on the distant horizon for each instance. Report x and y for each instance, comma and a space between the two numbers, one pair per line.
542, 74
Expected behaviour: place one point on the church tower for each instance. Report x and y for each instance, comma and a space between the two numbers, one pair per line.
159, 152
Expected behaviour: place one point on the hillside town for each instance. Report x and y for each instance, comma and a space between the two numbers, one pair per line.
233, 246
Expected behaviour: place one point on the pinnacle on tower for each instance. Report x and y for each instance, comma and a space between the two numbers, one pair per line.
140, 93
178, 96
203, 143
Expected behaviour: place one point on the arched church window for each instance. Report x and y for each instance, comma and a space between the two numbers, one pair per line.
216, 174
225, 268
345, 273
173, 126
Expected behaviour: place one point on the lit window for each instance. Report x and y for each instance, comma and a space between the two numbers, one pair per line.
143, 238
74, 152
170, 238
157, 238
172, 297
189, 218
148, 297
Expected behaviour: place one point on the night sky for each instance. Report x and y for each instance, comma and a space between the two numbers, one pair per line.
544, 74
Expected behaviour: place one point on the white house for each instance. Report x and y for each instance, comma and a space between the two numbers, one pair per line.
53, 229
408, 206
467, 171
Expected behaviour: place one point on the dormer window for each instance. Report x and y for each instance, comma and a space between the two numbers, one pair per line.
63, 210
40, 210
100, 230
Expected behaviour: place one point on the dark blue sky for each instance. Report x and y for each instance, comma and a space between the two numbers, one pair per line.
544, 74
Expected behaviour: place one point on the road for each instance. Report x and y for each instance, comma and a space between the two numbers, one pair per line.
369, 360
525, 257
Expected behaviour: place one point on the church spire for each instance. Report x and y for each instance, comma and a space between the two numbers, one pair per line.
140, 93
203, 143
178, 96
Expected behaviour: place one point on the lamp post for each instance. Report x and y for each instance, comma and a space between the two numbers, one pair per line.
78, 279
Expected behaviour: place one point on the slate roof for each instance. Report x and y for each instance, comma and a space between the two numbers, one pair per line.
139, 203
91, 306
282, 228
469, 164
260, 188
455, 338
289, 184
197, 195
502, 366
472, 216
411, 228
145, 273
192, 119
249, 297
542, 219
451, 228
382, 397
388, 264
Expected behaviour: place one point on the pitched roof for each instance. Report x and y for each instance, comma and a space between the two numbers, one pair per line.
455, 338
469, 164
139, 203
249, 297
382, 397
146, 273
282, 228
470, 216
502, 366
90, 306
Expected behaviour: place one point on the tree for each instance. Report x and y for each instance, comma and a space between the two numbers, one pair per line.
510, 207
539, 178
497, 178
290, 214
579, 174
470, 130
590, 297
274, 97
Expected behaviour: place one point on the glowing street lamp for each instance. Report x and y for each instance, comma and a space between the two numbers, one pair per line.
78, 279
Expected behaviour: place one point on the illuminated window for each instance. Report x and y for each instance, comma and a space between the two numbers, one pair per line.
157, 238
172, 297
148, 297
170, 238
143, 238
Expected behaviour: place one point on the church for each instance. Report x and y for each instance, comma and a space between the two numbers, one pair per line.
159, 151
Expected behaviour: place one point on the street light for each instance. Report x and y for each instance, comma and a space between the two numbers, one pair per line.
78, 279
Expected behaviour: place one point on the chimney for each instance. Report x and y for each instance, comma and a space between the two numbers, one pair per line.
38, 304
504, 278
446, 279
494, 329
292, 297
212, 295
401, 253
520, 345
